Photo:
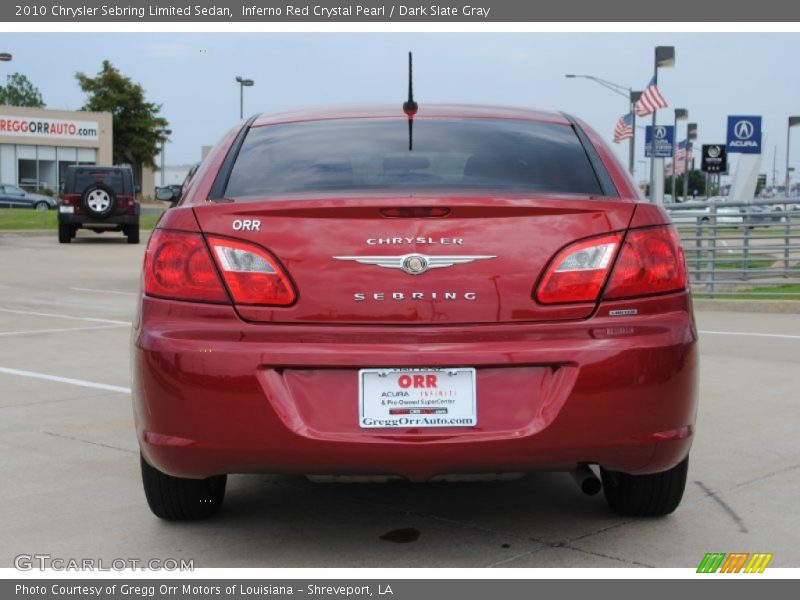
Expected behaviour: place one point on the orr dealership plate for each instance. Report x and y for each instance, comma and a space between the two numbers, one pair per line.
402, 398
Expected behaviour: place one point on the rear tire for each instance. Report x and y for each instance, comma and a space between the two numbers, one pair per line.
133, 234
180, 499
65, 234
645, 495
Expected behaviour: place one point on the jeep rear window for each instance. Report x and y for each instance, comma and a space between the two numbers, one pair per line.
85, 178
373, 154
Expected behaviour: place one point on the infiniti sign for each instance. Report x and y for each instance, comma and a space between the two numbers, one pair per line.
715, 159
744, 134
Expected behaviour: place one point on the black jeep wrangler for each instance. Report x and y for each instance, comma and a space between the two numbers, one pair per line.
98, 198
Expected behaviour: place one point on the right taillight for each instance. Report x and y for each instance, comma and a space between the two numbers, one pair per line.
578, 272
252, 274
650, 261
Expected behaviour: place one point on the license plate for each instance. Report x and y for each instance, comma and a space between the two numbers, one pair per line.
66, 209
400, 398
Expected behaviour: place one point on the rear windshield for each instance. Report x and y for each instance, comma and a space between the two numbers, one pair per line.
373, 154
115, 179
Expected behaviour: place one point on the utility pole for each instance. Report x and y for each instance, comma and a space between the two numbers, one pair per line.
774, 167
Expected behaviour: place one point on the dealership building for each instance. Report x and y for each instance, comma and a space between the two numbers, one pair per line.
37, 145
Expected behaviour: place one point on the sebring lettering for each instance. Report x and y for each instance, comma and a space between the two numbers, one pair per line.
381, 296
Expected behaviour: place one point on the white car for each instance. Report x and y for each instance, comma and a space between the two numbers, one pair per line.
725, 215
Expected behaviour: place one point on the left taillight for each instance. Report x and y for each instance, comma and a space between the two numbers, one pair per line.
178, 266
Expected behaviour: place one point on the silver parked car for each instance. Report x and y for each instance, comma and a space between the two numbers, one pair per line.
13, 197
725, 215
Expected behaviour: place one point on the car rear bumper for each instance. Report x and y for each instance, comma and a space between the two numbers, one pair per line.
213, 394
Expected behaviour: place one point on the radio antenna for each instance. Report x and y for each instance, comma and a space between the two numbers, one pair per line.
409, 106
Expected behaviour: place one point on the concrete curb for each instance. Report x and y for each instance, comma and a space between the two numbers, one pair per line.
28, 232
41, 232
755, 306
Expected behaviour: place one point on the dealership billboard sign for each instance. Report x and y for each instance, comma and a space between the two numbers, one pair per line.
744, 135
56, 129
659, 141
715, 159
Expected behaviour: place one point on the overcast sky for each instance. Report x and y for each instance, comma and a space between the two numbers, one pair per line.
192, 75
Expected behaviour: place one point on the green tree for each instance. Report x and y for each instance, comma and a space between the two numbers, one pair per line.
137, 124
697, 181
19, 91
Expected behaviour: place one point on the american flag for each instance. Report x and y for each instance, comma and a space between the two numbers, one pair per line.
624, 128
680, 157
650, 101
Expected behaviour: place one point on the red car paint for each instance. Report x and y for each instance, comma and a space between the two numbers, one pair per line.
224, 387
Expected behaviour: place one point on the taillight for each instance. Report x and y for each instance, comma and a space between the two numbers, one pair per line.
650, 261
177, 266
578, 272
252, 275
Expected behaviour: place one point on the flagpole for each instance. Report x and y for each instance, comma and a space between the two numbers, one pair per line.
674, 147
686, 168
653, 122
632, 141
680, 115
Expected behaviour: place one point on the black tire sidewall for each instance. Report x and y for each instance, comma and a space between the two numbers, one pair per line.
133, 234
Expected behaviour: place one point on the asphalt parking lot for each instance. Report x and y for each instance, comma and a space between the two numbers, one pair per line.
70, 475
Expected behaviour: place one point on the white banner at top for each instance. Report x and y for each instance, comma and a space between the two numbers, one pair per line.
39, 127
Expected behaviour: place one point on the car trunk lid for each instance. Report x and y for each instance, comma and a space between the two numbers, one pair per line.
372, 259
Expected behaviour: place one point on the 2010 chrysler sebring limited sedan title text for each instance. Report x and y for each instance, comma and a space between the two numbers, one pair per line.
447, 291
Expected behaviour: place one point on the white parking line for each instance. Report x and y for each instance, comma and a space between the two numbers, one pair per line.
93, 290
39, 314
78, 382
60, 330
751, 334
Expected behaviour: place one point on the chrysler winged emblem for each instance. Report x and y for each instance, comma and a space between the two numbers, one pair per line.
415, 264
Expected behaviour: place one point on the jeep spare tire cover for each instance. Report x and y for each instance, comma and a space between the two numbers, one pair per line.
99, 200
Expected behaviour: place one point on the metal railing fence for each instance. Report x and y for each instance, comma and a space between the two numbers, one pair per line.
748, 250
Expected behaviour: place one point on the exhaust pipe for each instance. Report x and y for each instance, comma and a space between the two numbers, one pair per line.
586, 479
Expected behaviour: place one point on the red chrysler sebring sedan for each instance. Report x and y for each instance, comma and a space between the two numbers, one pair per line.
446, 292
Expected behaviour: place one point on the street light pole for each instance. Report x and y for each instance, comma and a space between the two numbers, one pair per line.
792, 122
691, 134
163, 132
680, 115
664, 56
625, 92
634, 98
243, 83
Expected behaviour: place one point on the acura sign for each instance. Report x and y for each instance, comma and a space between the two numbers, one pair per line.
744, 135
659, 141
